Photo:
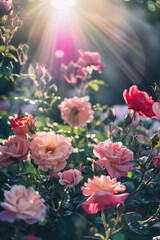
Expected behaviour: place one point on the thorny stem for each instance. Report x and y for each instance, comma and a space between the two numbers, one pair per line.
106, 226
63, 197
139, 187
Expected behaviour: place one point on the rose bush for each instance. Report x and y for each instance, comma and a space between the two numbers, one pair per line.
69, 151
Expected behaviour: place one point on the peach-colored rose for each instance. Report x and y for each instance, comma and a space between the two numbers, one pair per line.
23, 203
114, 157
70, 177
20, 126
156, 161
156, 110
49, 150
76, 111
15, 149
6, 7
102, 192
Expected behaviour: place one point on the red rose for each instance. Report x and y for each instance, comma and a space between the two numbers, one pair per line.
139, 101
20, 125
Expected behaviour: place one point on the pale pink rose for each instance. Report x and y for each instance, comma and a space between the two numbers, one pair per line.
23, 203
156, 110
50, 151
91, 60
15, 149
114, 157
70, 177
6, 7
76, 111
156, 161
102, 192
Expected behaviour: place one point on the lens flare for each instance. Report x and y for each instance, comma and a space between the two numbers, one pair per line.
63, 4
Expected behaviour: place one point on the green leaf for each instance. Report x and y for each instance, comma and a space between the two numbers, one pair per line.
119, 236
11, 56
132, 217
31, 72
2, 48
94, 84
30, 168
11, 48
139, 228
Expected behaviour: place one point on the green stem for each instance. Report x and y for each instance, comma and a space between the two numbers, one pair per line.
106, 226
16, 234
63, 197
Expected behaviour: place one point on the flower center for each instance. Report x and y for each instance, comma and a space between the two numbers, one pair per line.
49, 149
74, 111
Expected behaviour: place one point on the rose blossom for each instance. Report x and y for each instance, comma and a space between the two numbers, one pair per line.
102, 192
76, 111
20, 126
6, 7
139, 101
156, 161
49, 150
89, 59
15, 148
23, 203
114, 157
70, 177
156, 110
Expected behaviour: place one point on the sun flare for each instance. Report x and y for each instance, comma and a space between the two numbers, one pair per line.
63, 4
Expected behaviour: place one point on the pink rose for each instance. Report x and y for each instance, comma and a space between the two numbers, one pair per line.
70, 177
15, 148
156, 110
76, 111
20, 126
49, 150
114, 157
156, 161
102, 192
22, 203
6, 7
91, 60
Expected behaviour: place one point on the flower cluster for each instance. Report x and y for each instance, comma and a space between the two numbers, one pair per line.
83, 67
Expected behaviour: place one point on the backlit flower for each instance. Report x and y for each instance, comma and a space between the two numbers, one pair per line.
24, 204
102, 192
76, 111
6, 7
114, 157
15, 149
139, 101
50, 151
70, 177
89, 61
